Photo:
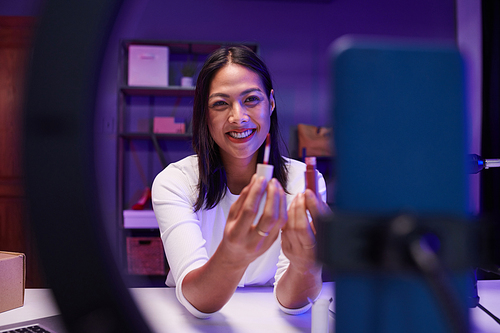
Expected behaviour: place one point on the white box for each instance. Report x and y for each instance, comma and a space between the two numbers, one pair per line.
139, 219
148, 65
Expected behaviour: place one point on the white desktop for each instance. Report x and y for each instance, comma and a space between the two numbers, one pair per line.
249, 310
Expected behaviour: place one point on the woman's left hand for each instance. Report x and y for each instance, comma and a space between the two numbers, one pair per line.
298, 236
301, 281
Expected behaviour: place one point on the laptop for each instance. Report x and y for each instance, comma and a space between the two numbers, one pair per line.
52, 324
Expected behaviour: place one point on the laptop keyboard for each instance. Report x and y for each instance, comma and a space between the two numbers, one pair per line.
28, 329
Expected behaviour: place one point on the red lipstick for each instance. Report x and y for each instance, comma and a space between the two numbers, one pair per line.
310, 174
267, 150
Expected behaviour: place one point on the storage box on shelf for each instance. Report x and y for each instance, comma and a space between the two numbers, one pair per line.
148, 65
145, 256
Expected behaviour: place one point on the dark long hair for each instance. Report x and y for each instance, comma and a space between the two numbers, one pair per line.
212, 185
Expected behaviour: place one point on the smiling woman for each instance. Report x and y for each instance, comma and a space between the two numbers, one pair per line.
239, 119
206, 204
212, 183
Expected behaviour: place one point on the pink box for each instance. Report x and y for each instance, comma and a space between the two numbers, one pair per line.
168, 125
148, 65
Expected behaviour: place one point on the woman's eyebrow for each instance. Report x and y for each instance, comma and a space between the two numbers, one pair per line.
249, 91
218, 95
242, 93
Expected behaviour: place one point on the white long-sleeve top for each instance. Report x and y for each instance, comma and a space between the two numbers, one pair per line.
191, 238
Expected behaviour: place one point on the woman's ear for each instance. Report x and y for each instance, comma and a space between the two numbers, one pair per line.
272, 103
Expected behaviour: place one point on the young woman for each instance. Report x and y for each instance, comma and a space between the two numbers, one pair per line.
206, 204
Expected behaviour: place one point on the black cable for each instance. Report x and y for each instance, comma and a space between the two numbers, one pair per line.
430, 265
496, 270
495, 318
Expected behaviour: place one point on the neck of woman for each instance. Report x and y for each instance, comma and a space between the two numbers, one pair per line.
239, 173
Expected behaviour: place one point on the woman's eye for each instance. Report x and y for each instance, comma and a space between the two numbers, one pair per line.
218, 104
252, 99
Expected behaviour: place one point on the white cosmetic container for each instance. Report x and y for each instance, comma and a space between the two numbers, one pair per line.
319, 316
265, 170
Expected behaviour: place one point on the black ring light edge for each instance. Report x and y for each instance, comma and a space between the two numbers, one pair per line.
61, 189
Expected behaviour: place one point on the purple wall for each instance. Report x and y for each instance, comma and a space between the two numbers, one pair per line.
294, 38
20, 7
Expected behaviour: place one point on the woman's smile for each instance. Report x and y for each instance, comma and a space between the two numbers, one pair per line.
241, 136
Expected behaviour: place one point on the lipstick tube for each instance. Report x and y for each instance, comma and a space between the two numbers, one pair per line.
310, 174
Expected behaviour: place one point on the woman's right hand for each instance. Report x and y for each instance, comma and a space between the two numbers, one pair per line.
210, 286
244, 242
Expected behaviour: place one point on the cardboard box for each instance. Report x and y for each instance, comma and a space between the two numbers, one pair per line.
168, 125
12, 280
145, 256
148, 65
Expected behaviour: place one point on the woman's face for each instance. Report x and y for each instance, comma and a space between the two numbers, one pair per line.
239, 112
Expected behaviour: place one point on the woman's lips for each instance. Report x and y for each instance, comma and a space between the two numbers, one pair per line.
241, 135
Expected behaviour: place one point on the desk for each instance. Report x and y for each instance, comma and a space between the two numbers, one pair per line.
249, 310
489, 294
38, 303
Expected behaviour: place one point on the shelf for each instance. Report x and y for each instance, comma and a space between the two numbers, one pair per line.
193, 47
139, 219
176, 91
137, 108
145, 135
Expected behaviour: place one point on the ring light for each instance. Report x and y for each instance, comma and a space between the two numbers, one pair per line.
60, 183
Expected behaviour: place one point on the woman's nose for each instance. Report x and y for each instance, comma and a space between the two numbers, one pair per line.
238, 114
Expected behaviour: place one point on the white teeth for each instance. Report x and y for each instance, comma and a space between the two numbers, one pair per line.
240, 135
